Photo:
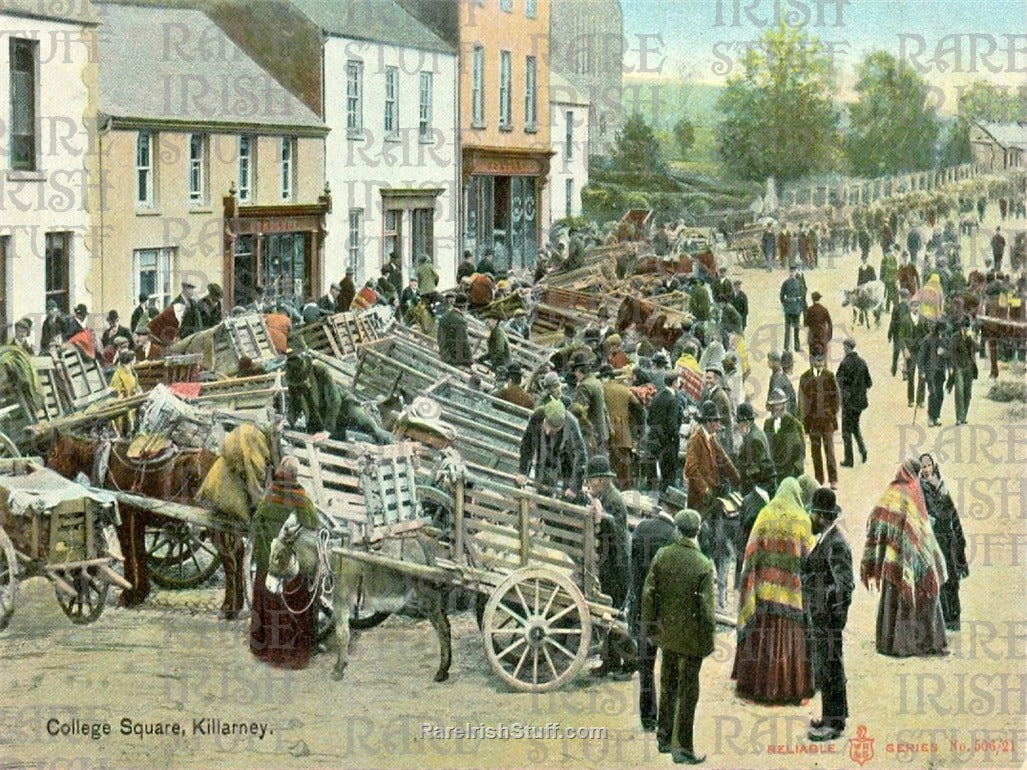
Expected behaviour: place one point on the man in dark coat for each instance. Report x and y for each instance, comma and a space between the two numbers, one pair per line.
677, 611
913, 330
466, 267
914, 242
819, 329
768, 242
964, 368
147, 308
785, 437
866, 273
324, 404
933, 361
793, 302
552, 444
326, 305
650, 535
755, 465
863, 240
818, 408
210, 306
779, 380
113, 331
827, 583
948, 531
454, 346
347, 291
740, 302
589, 405
486, 266
663, 440
497, 347
998, 248
898, 314
854, 381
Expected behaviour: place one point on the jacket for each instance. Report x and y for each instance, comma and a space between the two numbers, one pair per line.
853, 378
614, 549
454, 347
650, 535
787, 445
589, 404
664, 418
818, 401
626, 414
793, 299
677, 600
818, 321
347, 291
827, 581
560, 457
913, 332
427, 278
755, 465
707, 467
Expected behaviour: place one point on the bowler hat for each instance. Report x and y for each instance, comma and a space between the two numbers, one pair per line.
605, 371
774, 356
580, 360
777, 396
824, 503
81, 310
215, 291
349, 271
514, 370
744, 413
599, 467
817, 351
460, 300
688, 522
787, 359
669, 378
708, 412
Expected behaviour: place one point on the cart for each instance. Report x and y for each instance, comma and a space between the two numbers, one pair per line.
54, 528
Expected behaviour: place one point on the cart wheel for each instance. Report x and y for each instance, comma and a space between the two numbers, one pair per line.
8, 579
180, 555
536, 629
88, 605
7, 447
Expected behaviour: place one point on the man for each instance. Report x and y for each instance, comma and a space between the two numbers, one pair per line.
187, 319
779, 380
998, 248
454, 346
784, 246
427, 280
651, 534
793, 302
755, 465
466, 267
889, 274
785, 437
22, 330
614, 553
740, 302
722, 286
347, 292
854, 381
661, 241
907, 276
818, 407
865, 274
677, 612
497, 349
899, 312
627, 421
863, 241
326, 305
485, 265
146, 309
819, 328
663, 440
708, 469
552, 390
768, 243
113, 330
913, 330
385, 287
827, 583
52, 331
410, 297
552, 445
914, 241
964, 368
589, 405
714, 390
512, 391
933, 361
324, 404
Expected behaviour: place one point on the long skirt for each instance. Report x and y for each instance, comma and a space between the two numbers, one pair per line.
772, 662
277, 635
904, 630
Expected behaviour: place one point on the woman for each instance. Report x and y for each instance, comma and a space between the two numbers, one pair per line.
280, 626
902, 557
771, 661
125, 384
948, 531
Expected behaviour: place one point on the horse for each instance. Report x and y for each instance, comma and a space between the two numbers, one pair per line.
865, 299
657, 323
372, 587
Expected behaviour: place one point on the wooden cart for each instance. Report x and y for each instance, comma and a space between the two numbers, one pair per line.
51, 527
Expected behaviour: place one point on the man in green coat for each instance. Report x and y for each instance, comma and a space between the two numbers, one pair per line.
454, 347
677, 611
324, 403
497, 355
589, 406
785, 436
427, 280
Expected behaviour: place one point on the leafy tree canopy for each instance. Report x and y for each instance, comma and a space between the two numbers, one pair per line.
637, 148
983, 101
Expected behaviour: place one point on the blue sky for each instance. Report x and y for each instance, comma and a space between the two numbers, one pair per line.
951, 42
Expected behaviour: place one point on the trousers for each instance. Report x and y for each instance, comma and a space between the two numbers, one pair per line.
679, 694
962, 387
821, 448
791, 331
646, 681
850, 430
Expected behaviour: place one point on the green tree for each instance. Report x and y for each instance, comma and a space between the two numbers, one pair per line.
684, 135
637, 148
893, 128
779, 119
983, 101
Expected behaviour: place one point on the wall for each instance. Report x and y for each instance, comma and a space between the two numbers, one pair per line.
562, 168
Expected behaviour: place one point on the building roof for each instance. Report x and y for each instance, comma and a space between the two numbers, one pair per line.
78, 11
1006, 134
563, 91
175, 67
380, 21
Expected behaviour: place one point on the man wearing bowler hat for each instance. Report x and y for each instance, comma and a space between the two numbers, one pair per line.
819, 328
818, 408
793, 302
663, 440
755, 466
708, 469
513, 391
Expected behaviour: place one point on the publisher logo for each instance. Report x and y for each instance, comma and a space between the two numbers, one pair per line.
861, 748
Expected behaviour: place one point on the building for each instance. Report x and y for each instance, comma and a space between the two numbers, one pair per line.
48, 104
587, 40
999, 146
211, 170
569, 129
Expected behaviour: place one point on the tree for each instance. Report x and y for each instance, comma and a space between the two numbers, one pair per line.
892, 127
983, 101
684, 135
779, 119
637, 149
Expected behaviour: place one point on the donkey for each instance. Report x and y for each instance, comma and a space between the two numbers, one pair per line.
375, 588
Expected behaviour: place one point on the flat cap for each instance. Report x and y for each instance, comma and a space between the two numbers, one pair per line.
688, 521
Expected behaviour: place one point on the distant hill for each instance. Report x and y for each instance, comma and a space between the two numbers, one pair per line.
663, 102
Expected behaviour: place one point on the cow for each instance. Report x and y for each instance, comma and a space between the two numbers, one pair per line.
868, 298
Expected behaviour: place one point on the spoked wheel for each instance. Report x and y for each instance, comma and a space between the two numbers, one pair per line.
536, 629
180, 555
88, 604
8, 579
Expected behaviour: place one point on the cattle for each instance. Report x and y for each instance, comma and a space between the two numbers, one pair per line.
865, 299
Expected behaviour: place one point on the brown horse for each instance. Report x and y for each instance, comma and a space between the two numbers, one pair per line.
175, 477
655, 322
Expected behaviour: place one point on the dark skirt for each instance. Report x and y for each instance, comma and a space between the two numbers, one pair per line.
277, 636
772, 662
904, 630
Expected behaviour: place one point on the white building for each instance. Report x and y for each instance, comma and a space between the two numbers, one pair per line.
390, 101
48, 104
569, 134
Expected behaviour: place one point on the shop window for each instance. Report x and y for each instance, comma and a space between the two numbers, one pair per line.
56, 268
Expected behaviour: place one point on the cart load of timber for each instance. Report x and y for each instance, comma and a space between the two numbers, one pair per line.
222, 347
54, 528
340, 335
169, 369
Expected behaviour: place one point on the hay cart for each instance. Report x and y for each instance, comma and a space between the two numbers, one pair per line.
51, 527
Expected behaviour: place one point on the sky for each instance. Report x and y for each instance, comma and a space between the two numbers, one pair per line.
950, 42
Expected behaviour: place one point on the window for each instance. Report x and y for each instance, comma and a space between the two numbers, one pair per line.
354, 98
529, 9
478, 87
506, 5
530, 74
391, 239
568, 140
356, 244
247, 145
144, 169
287, 166
58, 257
504, 89
391, 102
422, 237
152, 273
197, 169
569, 198
24, 63
424, 108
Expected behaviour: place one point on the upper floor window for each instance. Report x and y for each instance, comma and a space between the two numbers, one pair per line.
391, 102
24, 67
568, 135
197, 169
354, 98
246, 167
530, 88
529, 9
504, 89
425, 107
288, 149
144, 169
478, 87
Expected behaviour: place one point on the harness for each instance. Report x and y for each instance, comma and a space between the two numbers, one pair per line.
324, 580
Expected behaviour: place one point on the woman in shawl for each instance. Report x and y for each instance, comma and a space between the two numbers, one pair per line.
771, 661
280, 627
902, 556
932, 298
948, 531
